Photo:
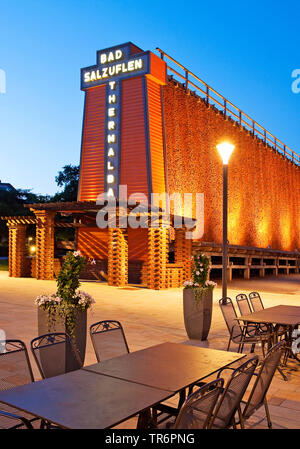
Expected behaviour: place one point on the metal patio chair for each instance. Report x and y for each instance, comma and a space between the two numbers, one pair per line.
108, 339
256, 301
257, 305
15, 370
197, 410
229, 402
245, 309
54, 354
239, 333
243, 304
261, 385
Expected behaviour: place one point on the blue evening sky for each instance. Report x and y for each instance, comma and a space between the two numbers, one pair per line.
245, 50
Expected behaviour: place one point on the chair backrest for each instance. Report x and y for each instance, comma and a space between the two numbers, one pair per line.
243, 304
15, 368
197, 410
256, 301
108, 339
54, 354
264, 379
233, 394
230, 316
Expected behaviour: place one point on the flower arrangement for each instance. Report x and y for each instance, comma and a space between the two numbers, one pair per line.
200, 270
68, 300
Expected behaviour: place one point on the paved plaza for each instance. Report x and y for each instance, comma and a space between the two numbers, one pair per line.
150, 317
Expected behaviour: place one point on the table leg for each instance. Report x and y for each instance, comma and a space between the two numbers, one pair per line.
182, 397
145, 420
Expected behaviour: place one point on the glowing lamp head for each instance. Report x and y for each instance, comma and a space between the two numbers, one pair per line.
225, 149
32, 249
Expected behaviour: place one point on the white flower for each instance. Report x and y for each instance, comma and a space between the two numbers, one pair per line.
210, 284
42, 300
84, 299
188, 283
76, 253
197, 273
93, 262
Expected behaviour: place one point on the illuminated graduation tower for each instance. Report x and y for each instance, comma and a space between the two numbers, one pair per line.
122, 142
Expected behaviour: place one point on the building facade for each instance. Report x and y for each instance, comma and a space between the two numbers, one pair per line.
152, 126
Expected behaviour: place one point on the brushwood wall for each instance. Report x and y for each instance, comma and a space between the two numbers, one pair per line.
263, 186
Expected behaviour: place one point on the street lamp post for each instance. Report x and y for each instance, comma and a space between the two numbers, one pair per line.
225, 149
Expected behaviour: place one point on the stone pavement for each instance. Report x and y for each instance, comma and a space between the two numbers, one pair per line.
151, 317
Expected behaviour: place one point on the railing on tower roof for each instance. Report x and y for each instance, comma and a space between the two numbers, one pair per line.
211, 96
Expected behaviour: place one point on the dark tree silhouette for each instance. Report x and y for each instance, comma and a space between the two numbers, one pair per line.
67, 178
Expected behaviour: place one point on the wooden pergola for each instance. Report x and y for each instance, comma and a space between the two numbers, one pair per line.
159, 273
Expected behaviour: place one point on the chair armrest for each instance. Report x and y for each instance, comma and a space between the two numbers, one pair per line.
223, 369
240, 326
17, 418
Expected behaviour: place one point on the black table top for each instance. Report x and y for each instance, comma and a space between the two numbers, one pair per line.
168, 366
83, 400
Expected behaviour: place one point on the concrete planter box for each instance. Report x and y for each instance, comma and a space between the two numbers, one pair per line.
72, 362
197, 313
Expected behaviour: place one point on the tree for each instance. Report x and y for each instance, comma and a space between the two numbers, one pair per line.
12, 203
67, 178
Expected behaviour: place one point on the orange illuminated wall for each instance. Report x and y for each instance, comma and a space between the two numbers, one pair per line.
133, 137
93, 242
92, 151
156, 138
264, 188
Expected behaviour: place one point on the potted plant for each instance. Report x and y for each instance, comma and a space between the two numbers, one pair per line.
66, 310
197, 299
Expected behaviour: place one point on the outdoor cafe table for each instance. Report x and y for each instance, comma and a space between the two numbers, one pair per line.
83, 400
128, 385
167, 366
282, 315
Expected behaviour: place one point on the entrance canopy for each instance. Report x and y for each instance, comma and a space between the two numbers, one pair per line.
157, 272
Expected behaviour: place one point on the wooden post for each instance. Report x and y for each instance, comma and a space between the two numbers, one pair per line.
247, 269
44, 244
262, 268
229, 270
158, 246
183, 252
117, 257
17, 250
